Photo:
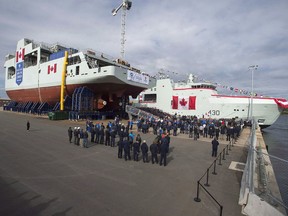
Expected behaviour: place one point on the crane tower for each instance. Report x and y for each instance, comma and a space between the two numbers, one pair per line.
125, 5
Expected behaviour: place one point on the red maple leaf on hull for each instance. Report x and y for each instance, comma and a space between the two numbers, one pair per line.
183, 102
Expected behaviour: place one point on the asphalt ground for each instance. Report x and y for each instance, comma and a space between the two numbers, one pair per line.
41, 173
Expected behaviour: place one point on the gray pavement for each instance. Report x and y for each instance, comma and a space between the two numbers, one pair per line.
41, 173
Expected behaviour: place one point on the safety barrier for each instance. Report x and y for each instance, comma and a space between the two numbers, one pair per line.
266, 192
220, 158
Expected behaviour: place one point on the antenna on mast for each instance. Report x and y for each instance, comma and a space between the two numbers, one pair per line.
125, 5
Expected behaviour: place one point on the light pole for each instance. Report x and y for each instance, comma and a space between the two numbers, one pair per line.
252, 68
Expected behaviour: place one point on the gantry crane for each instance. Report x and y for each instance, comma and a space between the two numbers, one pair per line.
125, 5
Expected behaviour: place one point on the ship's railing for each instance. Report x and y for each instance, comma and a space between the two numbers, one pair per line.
92, 52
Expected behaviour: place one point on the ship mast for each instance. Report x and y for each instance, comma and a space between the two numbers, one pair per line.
126, 5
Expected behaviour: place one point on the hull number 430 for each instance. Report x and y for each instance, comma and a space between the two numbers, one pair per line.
214, 112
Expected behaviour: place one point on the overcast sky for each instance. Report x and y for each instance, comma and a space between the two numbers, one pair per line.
216, 40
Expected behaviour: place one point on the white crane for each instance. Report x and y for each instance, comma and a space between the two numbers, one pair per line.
125, 5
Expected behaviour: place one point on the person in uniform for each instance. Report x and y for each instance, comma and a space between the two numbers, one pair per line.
113, 137
175, 129
107, 136
136, 150
81, 135
154, 151
28, 125
168, 141
217, 131
75, 135
205, 131
228, 133
85, 139
121, 135
144, 150
92, 131
195, 132
97, 133
120, 148
70, 133
102, 134
78, 136
138, 138
126, 150
131, 139
222, 131
163, 152
215, 144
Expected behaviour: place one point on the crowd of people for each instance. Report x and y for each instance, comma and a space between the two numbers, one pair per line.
116, 134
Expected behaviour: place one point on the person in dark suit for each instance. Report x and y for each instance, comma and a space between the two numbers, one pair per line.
144, 150
215, 144
163, 152
120, 148
136, 150
126, 150
28, 125
154, 151
70, 134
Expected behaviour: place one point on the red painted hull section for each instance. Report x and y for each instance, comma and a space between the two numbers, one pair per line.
51, 95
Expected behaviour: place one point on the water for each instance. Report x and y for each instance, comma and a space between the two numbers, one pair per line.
276, 137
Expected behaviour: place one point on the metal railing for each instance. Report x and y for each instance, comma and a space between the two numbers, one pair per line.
256, 164
218, 161
266, 192
247, 182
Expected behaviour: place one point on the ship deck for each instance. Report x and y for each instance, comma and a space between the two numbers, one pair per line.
42, 174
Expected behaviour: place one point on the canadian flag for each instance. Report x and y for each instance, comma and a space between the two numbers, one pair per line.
20, 55
184, 102
281, 102
52, 68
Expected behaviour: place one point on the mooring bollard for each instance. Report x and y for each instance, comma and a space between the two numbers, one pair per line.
227, 153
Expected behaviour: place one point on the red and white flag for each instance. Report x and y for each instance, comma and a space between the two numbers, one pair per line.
281, 102
184, 102
20, 55
52, 68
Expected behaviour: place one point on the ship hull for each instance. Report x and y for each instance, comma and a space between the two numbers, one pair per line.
37, 72
193, 100
51, 95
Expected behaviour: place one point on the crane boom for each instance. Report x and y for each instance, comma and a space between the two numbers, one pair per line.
125, 5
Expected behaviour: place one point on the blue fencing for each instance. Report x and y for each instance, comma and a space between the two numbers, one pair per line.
11, 106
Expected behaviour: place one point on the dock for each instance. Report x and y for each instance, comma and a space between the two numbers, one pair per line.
41, 173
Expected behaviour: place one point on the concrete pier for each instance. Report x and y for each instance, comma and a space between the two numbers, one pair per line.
41, 173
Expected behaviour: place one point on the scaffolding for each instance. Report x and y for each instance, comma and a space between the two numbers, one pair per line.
67, 104
82, 104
